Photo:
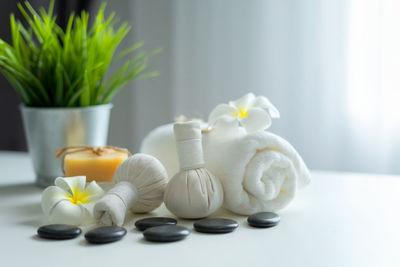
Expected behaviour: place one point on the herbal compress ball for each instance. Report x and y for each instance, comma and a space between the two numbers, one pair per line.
194, 192
140, 182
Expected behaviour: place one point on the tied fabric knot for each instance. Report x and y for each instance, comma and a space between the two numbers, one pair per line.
96, 150
206, 130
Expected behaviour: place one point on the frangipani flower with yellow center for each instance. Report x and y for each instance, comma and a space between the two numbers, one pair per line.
253, 113
71, 201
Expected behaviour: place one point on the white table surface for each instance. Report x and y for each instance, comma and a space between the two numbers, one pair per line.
340, 220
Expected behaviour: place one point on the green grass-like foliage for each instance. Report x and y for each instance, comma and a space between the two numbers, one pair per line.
50, 67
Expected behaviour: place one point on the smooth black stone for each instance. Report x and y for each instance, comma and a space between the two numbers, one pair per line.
145, 223
105, 234
59, 231
166, 233
215, 225
263, 219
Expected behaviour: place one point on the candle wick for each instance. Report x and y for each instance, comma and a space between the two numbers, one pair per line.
98, 150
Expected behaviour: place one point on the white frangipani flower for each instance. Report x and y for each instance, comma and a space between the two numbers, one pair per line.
71, 201
253, 113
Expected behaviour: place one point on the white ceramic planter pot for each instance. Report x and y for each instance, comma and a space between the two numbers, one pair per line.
47, 129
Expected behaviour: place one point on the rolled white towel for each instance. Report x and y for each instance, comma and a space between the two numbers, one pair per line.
160, 143
258, 172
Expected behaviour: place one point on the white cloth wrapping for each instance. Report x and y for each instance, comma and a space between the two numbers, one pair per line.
258, 172
112, 208
140, 183
188, 143
161, 144
193, 192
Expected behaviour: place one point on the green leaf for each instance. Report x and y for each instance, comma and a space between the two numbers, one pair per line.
85, 95
48, 66
59, 84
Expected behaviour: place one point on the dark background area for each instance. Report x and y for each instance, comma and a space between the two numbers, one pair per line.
11, 130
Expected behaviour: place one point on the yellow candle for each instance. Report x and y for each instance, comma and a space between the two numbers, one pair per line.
99, 166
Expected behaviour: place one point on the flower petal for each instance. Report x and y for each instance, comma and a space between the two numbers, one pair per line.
66, 212
263, 102
51, 196
256, 120
219, 111
244, 102
93, 192
74, 184
226, 126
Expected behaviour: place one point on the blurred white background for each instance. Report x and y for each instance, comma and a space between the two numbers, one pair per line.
330, 67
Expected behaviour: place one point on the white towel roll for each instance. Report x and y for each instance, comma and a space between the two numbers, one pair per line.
160, 143
258, 172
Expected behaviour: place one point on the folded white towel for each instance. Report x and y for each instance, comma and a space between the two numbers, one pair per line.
258, 172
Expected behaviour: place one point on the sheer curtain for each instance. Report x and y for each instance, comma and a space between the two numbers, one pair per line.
374, 84
329, 66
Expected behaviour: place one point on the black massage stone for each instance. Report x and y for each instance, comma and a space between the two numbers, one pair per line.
59, 231
145, 223
166, 233
105, 234
263, 219
215, 225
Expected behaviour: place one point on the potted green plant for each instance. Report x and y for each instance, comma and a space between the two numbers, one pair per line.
63, 79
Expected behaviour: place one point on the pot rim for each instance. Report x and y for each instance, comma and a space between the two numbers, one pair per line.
87, 108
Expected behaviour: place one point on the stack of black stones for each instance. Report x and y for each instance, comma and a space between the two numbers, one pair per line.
157, 229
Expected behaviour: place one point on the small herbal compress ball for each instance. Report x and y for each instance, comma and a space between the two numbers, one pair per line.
140, 182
